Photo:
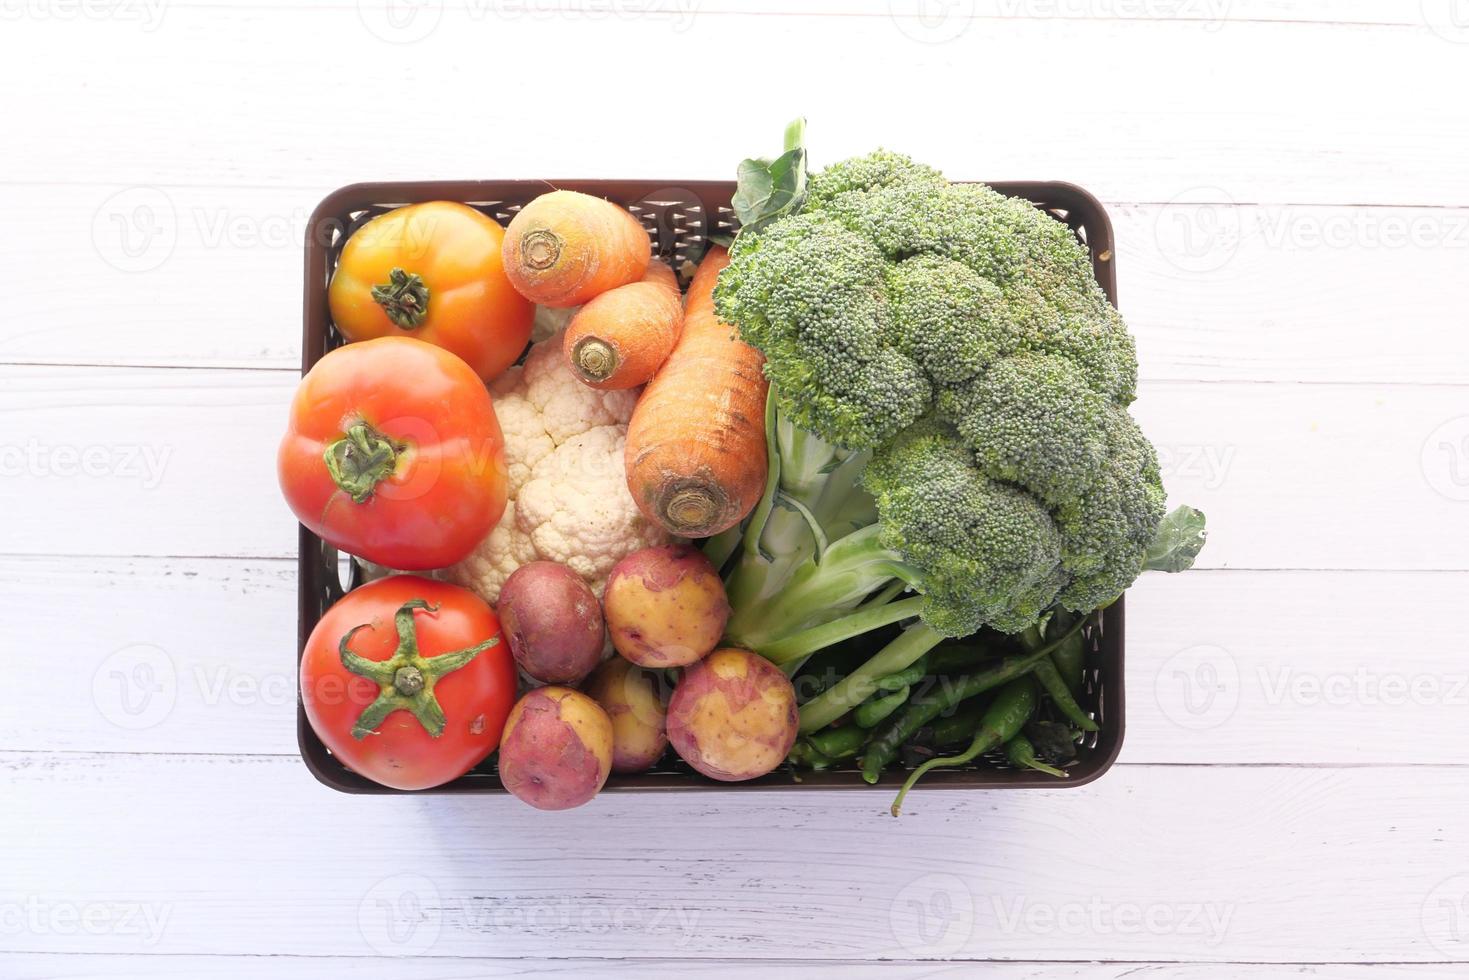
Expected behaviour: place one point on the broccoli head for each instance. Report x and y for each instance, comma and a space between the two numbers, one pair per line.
983, 551
961, 337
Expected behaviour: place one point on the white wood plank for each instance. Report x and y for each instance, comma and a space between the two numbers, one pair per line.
134, 461
50, 966
162, 655
1316, 476
1297, 667
168, 655
1301, 12
1212, 291
179, 462
222, 855
1174, 111
1294, 293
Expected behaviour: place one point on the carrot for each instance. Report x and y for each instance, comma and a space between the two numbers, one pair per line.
563, 248
623, 336
696, 442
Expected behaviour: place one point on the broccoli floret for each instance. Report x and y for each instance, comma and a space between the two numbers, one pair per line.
875, 170
950, 321
893, 276
827, 337
1106, 530
961, 337
985, 552
1034, 420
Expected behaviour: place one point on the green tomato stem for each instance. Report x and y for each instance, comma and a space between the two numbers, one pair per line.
360, 460
404, 298
406, 679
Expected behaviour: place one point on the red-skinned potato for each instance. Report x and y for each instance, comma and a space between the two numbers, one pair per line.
556, 751
733, 715
665, 606
552, 622
630, 697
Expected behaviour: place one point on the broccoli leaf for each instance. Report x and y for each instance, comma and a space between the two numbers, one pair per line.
1178, 541
769, 189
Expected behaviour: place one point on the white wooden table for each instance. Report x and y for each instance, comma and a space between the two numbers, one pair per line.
1289, 181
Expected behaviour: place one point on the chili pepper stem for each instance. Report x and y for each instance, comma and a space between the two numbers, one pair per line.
982, 743
1021, 753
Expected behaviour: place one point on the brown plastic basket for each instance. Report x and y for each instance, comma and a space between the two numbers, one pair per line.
678, 215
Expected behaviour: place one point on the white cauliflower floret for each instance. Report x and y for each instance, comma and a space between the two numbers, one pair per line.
568, 497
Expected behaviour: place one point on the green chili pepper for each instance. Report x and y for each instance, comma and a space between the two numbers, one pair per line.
1070, 660
906, 677
823, 749
958, 728
1022, 756
957, 657
871, 713
884, 747
1007, 714
804, 754
1055, 686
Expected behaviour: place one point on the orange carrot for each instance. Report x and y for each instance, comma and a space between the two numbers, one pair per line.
623, 336
696, 443
563, 248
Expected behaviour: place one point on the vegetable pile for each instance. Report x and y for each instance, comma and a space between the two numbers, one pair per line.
852, 500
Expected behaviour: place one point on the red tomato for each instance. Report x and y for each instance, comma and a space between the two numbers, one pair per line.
408, 681
394, 454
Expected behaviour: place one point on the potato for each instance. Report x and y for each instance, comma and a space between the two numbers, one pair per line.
552, 622
631, 699
665, 606
556, 750
733, 715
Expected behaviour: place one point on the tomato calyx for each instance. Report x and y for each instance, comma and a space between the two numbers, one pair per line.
360, 460
406, 679
404, 298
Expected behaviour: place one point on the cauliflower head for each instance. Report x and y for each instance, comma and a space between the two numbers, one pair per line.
568, 498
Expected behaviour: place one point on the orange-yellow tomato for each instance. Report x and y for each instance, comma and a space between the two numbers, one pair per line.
432, 271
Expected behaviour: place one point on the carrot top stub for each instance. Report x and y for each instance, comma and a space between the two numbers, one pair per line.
623, 336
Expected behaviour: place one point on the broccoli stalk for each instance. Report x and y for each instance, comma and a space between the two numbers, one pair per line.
809, 552
811, 568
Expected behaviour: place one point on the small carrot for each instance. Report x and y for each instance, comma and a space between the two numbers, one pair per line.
696, 444
623, 336
564, 248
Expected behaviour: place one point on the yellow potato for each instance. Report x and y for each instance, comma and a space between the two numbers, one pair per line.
556, 751
665, 606
631, 699
733, 715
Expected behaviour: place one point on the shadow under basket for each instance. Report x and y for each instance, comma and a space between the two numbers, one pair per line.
679, 216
